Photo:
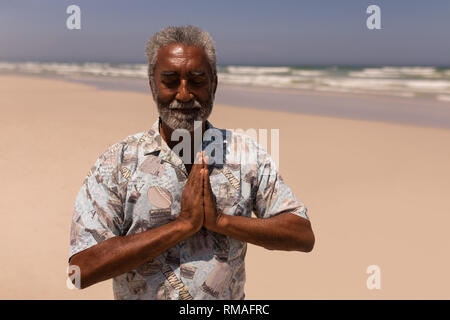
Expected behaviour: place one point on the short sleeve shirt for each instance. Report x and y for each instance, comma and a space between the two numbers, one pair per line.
136, 185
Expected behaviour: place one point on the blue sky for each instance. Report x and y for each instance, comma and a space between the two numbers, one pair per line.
310, 32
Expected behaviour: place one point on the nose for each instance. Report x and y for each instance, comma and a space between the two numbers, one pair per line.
183, 94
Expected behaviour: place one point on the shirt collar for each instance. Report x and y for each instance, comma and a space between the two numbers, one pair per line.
155, 144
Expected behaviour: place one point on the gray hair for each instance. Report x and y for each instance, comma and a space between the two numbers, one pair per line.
186, 35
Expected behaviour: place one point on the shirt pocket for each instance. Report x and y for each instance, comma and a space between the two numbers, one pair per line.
160, 205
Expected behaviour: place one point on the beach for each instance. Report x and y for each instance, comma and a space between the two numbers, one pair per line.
376, 187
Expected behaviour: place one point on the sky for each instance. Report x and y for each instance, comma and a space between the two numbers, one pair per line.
246, 32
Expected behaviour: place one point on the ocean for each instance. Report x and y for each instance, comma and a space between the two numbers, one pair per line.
405, 81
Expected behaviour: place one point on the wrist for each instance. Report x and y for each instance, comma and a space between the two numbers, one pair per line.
185, 227
221, 222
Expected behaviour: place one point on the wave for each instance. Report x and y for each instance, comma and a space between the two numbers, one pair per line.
257, 70
412, 81
444, 97
396, 72
80, 69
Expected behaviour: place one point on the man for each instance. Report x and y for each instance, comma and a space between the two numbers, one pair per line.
164, 226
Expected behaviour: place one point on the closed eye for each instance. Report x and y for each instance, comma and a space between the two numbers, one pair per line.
170, 83
197, 82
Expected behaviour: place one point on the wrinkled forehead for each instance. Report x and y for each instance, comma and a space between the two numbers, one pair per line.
179, 57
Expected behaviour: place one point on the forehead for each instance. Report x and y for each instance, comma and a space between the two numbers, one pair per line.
178, 56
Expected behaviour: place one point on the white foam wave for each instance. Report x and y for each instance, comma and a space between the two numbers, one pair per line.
93, 69
308, 73
398, 81
257, 70
389, 84
393, 72
443, 97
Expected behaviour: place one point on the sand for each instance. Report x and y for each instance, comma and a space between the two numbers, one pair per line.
377, 194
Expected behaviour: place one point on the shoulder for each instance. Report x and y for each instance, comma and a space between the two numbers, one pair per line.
248, 156
246, 147
117, 159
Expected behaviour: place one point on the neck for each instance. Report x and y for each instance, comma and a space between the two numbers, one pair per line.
166, 133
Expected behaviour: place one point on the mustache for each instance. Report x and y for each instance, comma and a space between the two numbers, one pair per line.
193, 104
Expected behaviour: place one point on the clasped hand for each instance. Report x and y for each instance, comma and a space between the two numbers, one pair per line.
198, 206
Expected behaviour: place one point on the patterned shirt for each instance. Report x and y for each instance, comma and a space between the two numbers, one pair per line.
136, 185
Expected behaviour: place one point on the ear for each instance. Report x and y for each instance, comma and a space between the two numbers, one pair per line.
215, 84
152, 90
151, 87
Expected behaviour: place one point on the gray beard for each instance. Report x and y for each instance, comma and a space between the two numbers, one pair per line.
177, 120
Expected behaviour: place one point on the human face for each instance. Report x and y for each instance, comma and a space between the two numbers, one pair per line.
185, 86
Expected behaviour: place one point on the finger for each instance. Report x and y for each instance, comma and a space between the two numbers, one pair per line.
208, 195
197, 185
195, 166
201, 182
203, 159
206, 183
199, 163
197, 175
198, 157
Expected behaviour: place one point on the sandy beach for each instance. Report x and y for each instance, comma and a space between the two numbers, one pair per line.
377, 193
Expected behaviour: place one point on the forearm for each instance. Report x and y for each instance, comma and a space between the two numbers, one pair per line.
285, 231
119, 255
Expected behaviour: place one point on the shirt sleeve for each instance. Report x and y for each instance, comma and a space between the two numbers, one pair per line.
98, 211
273, 196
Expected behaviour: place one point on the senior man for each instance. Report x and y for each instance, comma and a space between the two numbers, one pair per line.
171, 223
